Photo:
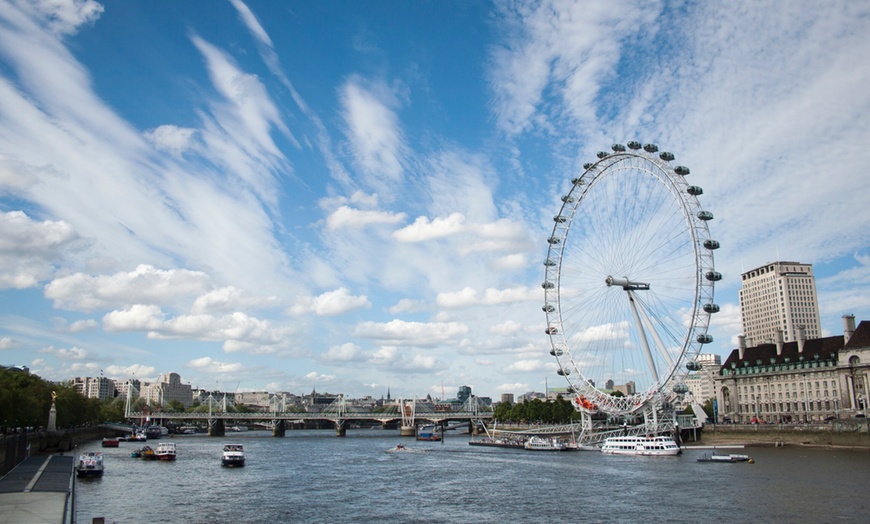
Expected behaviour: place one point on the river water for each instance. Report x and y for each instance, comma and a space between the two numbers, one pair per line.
315, 477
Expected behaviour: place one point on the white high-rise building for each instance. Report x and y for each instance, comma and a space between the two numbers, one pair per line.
779, 296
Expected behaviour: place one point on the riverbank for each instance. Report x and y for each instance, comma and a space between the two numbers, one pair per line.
850, 434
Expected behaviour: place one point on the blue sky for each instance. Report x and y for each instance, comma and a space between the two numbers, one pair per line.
351, 196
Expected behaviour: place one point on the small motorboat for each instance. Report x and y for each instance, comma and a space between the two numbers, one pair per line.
111, 442
136, 453
90, 464
233, 455
726, 458
147, 453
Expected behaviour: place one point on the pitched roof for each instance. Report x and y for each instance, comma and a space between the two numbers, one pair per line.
860, 339
765, 354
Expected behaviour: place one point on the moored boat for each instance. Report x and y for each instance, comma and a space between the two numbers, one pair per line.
111, 442
428, 432
644, 446
233, 455
165, 451
497, 442
537, 443
734, 457
90, 464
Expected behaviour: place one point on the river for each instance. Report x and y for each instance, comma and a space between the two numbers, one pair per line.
314, 477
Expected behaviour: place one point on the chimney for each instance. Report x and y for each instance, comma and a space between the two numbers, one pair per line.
848, 328
741, 345
778, 342
801, 338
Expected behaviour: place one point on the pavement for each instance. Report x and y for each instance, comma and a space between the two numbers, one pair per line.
38, 491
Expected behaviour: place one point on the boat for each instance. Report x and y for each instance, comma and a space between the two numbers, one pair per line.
237, 428
428, 432
153, 432
544, 444
497, 442
136, 453
139, 436
644, 446
165, 451
90, 464
233, 455
734, 457
111, 442
401, 448
147, 453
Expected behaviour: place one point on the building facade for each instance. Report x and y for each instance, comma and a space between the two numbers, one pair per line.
168, 388
780, 296
804, 381
701, 383
94, 387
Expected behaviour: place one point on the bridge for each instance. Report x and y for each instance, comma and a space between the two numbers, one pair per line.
340, 412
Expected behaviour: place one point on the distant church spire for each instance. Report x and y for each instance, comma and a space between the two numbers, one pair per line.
388, 393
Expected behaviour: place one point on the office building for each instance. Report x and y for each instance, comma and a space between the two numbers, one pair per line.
779, 296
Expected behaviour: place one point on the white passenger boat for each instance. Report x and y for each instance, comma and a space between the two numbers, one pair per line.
233, 455
637, 445
90, 464
545, 444
165, 451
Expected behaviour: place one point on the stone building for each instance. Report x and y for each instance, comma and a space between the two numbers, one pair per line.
806, 380
167, 388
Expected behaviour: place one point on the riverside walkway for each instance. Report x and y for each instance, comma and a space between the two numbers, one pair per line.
39, 491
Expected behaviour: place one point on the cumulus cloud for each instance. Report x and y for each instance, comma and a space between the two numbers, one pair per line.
331, 303
349, 218
30, 249
526, 366
423, 229
227, 299
469, 297
132, 371
347, 352
210, 365
411, 333
314, 376
172, 139
395, 359
144, 285
9, 343
73, 353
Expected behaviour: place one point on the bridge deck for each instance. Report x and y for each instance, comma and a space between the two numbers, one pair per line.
37, 490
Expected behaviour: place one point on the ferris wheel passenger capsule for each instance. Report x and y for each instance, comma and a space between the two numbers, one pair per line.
667, 156
713, 276
563, 372
551, 330
619, 148
681, 170
650, 148
568, 199
705, 215
548, 308
705, 338
550, 262
694, 190
693, 365
560, 219
711, 244
681, 389
603, 154
634, 145
711, 308
588, 165
556, 352
554, 240
548, 285
578, 181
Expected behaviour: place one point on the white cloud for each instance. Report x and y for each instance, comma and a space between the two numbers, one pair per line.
210, 365
30, 249
320, 378
423, 229
411, 333
144, 285
469, 297
138, 317
9, 343
526, 366
172, 139
347, 352
349, 218
132, 371
373, 130
336, 302
65, 16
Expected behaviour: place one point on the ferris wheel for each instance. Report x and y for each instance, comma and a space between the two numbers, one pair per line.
628, 292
